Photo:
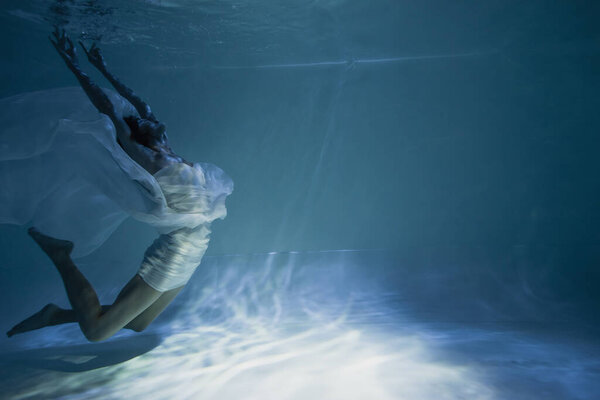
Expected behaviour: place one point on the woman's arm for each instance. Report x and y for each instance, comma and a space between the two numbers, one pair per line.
151, 159
99, 99
95, 58
144, 156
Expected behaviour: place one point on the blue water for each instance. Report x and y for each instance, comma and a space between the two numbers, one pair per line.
415, 213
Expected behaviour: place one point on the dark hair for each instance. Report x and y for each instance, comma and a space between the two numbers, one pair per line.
136, 134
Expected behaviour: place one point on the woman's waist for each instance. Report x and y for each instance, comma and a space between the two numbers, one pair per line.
182, 243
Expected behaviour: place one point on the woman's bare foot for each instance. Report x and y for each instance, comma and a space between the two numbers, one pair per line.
51, 246
38, 320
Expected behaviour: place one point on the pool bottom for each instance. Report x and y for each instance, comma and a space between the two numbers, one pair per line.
303, 326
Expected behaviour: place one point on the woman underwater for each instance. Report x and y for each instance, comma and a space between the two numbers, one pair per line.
145, 179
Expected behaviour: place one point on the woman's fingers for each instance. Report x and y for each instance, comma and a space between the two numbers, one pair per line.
60, 37
57, 45
58, 34
84, 49
92, 53
64, 46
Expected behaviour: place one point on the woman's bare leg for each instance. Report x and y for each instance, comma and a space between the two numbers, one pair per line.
52, 314
139, 323
41, 319
95, 323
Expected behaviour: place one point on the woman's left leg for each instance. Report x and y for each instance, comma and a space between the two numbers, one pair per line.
51, 314
95, 323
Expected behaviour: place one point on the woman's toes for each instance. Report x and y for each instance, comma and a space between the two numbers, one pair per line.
38, 320
49, 244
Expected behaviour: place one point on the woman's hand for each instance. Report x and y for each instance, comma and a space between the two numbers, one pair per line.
65, 47
94, 56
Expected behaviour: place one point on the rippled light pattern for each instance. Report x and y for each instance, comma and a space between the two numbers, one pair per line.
297, 326
271, 327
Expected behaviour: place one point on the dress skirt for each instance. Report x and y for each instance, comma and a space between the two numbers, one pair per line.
62, 170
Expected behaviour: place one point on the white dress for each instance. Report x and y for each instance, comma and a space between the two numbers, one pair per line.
62, 170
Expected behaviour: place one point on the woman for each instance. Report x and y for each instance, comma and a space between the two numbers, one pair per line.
176, 196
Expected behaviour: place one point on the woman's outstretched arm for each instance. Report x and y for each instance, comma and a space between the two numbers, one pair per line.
95, 58
99, 99
144, 156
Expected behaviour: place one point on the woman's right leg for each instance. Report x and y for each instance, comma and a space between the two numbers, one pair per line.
95, 323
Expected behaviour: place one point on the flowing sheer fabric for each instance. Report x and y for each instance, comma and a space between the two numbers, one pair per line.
62, 170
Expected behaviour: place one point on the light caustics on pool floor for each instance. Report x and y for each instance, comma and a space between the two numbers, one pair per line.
293, 326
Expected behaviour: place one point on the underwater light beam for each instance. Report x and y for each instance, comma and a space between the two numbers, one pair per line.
353, 62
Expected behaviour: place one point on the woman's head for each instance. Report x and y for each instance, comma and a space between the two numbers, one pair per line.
154, 129
146, 132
